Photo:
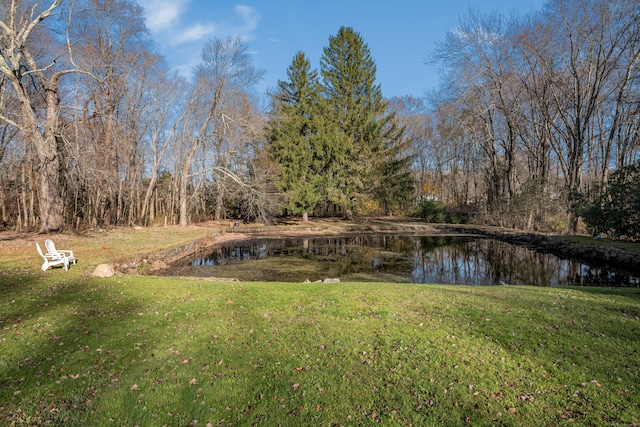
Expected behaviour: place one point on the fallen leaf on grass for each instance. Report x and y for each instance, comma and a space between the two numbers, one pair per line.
134, 387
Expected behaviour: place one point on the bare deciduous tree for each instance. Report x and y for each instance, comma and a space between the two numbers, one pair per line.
21, 29
164, 111
117, 54
548, 103
214, 120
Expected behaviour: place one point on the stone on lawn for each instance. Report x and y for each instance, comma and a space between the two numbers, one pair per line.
104, 270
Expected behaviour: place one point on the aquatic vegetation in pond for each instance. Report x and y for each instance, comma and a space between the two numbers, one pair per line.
409, 259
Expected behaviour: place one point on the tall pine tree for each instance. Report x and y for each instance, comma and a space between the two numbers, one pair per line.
294, 137
369, 164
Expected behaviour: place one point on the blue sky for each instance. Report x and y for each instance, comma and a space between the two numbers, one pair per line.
400, 33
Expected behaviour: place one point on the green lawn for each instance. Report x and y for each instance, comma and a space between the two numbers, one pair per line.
153, 351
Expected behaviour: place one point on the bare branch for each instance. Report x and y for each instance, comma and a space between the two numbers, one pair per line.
9, 121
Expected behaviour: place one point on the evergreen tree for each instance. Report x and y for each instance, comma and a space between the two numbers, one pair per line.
368, 139
294, 137
393, 185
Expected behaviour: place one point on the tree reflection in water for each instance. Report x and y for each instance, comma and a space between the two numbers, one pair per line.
414, 259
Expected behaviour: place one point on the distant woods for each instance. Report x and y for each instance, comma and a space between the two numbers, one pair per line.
533, 109
533, 116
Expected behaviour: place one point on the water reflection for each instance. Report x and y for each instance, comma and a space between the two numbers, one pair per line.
414, 259
488, 261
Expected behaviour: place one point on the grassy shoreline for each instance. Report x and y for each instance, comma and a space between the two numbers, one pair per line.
144, 350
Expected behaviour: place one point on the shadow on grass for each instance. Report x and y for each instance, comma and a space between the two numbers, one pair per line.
632, 293
10, 237
154, 351
58, 352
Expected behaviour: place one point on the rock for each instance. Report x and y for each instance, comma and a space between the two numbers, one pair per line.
158, 265
331, 280
104, 270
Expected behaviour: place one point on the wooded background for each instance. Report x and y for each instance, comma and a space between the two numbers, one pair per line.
533, 113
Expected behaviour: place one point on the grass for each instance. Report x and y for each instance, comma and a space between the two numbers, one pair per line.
153, 351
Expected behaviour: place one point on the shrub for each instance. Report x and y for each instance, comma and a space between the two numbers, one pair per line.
613, 208
436, 212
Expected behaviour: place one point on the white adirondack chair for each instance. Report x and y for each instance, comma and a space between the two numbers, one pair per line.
52, 259
51, 248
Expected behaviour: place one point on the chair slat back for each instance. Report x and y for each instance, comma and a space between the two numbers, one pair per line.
51, 247
39, 250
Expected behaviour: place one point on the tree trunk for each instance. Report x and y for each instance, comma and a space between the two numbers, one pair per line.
183, 201
305, 216
146, 204
348, 214
51, 205
3, 207
50, 197
220, 196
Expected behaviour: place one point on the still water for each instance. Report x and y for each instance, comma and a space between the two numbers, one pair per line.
464, 260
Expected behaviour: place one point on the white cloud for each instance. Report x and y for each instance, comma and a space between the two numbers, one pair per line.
181, 27
250, 16
193, 33
162, 14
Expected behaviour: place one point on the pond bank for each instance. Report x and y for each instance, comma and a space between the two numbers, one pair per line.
577, 248
230, 232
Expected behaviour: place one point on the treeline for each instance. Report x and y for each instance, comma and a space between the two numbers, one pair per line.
96, 130
533, 116
534, 110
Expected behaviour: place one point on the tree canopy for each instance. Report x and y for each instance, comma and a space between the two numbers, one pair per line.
335, 140
296, 137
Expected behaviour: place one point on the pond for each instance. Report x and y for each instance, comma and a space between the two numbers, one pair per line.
467, 260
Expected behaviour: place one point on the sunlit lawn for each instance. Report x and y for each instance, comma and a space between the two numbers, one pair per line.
154, 351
